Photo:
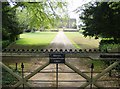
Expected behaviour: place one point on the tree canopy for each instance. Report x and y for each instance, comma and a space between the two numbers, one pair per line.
29, 15
40, 14
101, 19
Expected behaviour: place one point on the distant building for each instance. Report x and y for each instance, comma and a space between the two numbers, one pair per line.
70, 23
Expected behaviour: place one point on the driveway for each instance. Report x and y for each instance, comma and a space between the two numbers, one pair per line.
61, 42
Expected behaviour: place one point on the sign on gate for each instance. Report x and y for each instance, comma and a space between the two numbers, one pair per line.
57, 58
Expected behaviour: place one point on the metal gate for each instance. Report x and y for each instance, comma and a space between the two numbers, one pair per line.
58, 57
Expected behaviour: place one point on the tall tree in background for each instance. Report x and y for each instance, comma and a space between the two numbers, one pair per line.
10, 25
101, 19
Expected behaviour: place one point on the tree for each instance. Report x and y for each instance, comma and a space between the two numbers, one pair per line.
40, 14
101, 19
10, 25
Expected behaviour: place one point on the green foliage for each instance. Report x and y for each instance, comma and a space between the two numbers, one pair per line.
7, 78
110, 45
98, 65
29, 15
10, 25
101, 19
5, 43
39, 14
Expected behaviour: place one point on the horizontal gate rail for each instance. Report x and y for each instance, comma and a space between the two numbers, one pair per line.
95, 56
62, 72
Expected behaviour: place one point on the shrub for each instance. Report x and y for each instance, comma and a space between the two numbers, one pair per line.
111, 46
27, 30
5, 43
7, 78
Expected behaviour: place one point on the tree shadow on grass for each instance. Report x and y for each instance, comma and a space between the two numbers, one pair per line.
87, 46
17, 46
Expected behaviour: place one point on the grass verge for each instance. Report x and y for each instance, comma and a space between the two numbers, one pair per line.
80, 42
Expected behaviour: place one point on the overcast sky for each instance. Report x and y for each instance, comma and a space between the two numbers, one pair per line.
73, 4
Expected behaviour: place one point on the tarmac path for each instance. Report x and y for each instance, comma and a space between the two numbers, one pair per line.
61, 42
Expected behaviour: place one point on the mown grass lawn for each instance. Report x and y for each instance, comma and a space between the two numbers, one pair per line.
34, 40
79, 41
